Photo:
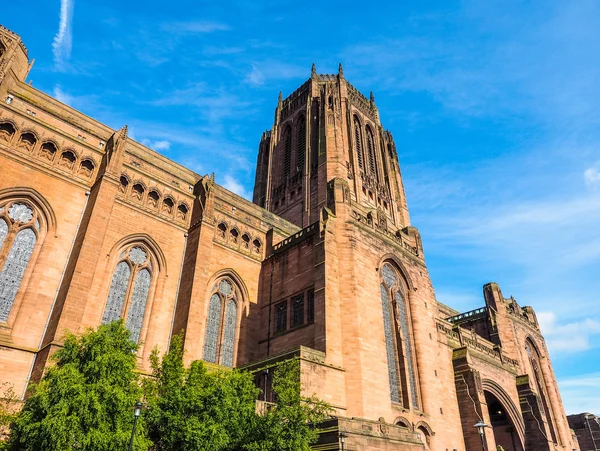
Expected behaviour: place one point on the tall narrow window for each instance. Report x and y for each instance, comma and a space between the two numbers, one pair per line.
358, 142
281, 316
221, 322
129, 290
371, 152
287, 152
19, 228
298, 310
540, 384
398, 339
301, 152
310, 308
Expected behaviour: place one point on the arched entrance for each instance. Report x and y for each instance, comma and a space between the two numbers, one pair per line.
506, 433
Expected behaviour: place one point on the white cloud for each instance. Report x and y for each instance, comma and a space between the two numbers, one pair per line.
580, 393
592, 176
63, 41
255, 77
233, 185
195, 26
568, 337
161, 145
62, 96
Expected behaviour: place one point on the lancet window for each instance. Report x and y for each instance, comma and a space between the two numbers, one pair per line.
129, 289
221, 323
540, 384
398, 338
19, 234
371, 152
301, 152
287, 152
358, 142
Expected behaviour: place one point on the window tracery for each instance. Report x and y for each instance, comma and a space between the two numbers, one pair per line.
19, 229
398, 339
221, 322
129, 290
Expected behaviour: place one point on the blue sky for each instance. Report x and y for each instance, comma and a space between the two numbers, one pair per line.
494, 107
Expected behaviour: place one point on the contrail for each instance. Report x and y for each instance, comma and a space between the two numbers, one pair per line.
61, 47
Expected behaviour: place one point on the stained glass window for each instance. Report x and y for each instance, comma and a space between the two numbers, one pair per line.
221, 323
229, 333
3, 231
298, 310
117, 293
390, 346
402, 318
20, 213
129, 290
137, 308
398, 339
14, 268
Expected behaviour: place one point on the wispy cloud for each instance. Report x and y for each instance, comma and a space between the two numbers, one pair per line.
63, 41
580, 393
592, 176
568, 337
159, 146
234, 185
195, 26
267, 71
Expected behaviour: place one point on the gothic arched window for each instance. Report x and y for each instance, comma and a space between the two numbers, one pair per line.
221, 322
540, 383
398, 338
19, 231
358, 142
301, 152
287, 152
129, 289
371, 152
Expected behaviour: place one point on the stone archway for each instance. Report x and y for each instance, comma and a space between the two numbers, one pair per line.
505, 431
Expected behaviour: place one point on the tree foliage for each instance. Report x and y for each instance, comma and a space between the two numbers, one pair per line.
85, 401
202, 410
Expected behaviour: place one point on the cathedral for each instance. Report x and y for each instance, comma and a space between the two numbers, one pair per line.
324, 265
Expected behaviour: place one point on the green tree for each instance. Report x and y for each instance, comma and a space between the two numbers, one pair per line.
197, 409
85, 401
292, 424
9, 406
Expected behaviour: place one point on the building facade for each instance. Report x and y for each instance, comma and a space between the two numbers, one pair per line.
324, 264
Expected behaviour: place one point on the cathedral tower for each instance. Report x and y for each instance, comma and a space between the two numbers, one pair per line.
327, 130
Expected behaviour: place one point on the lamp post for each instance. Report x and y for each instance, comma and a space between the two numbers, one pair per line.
342, 436
136, 414
481, 429
587, 417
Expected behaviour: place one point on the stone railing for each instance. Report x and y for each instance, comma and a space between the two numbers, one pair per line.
296, 237
464, 337
467, 316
